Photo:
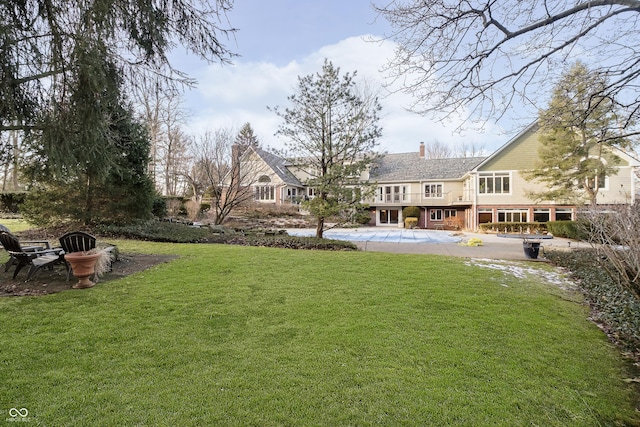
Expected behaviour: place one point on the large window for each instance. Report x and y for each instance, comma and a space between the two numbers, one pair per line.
512, 215
494, 183
263, 191
389, 216
564, 214
392, 193
433, 190
541, 215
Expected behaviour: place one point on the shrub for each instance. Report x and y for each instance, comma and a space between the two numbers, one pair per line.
159, 207
175, 206
514, 227
568, 229
615, 233
410, 222
156, 231
294, 242
411, 212
11, 202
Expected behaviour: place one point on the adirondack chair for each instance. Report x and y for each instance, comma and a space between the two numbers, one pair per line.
79, 241
76, 241
27, 246
35, 259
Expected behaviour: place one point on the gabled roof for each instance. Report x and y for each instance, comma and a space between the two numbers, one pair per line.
531, 127
405, 167
278, 165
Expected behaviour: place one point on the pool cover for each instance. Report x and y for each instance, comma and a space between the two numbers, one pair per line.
382, 235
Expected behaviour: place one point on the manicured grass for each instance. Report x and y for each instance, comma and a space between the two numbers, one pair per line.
15, 224
229, 335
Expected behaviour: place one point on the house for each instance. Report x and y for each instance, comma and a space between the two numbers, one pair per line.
453, 193
270, 176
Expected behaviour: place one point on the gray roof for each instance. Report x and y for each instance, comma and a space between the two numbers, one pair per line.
405, 167
278, 165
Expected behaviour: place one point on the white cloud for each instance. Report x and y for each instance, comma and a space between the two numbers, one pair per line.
230, 96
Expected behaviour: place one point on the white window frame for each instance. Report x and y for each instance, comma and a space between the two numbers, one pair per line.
264, 193
436, 215
392, 193
509, 214
494, 177
437, 194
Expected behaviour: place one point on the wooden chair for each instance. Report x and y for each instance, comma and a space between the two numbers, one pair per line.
76, 241
35, 259
27, 246
79, 241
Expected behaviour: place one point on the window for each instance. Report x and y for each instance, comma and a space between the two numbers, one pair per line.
392, 193
435, 214
590, 183
541, 215
265, 192
494, 183
433, 190
512, 215
564, 214
448, 213
311, 192
389, 216
485, 216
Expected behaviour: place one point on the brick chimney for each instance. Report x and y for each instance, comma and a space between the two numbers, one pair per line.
422, 150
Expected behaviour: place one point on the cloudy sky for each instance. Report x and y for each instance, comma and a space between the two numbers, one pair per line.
279, 40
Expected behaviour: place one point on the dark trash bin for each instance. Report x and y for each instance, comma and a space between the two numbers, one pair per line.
531, 249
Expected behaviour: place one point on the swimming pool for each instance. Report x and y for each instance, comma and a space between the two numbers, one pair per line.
382, 235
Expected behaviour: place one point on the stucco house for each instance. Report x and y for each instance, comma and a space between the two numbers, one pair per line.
453, 193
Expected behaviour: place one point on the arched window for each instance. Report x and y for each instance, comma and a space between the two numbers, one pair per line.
264, 191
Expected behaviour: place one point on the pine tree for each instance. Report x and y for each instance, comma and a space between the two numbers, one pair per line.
246, 137
331, 131
577, 131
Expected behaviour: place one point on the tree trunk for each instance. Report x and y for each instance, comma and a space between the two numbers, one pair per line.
320, 228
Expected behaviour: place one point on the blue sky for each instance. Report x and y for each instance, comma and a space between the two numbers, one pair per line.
279, 40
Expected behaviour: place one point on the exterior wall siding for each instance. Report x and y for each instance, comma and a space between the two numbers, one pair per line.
520, 154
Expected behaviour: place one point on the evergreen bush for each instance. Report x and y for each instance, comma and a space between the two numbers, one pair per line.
411, 212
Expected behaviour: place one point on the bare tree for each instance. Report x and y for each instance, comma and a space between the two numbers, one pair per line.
613, 231
161, 110
224, 171
148, 97
437, 150
175, 158
469, 149
486, 56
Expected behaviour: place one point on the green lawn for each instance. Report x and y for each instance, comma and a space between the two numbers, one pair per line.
229, 335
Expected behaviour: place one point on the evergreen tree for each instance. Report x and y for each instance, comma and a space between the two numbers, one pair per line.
101, 174
331, 130
246, 137
577, 132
